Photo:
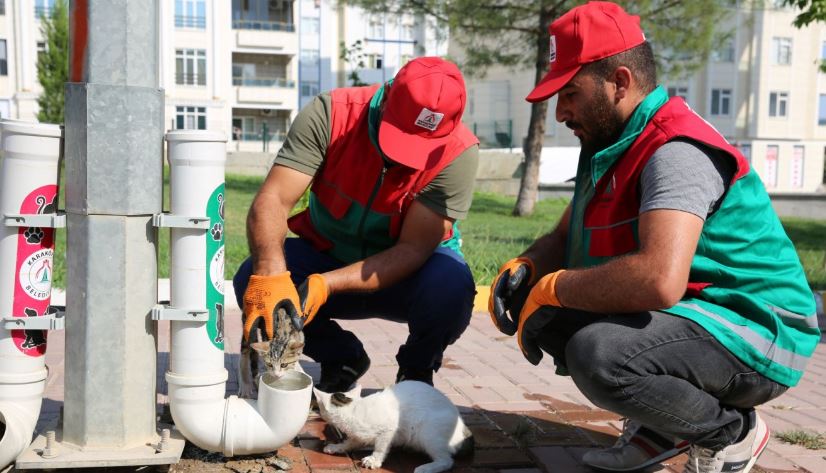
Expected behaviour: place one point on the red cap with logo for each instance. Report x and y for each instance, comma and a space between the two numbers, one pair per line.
586, 34
423, 108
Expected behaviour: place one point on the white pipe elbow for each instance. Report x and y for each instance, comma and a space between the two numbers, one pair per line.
236, 426
19, 409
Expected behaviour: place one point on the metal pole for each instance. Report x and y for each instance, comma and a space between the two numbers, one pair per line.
113, 152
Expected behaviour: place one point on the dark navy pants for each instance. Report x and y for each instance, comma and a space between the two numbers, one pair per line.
435, 302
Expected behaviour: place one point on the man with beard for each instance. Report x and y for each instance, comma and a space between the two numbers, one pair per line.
668, 290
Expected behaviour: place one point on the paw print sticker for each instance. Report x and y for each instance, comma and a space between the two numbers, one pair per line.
217, 231
33, 235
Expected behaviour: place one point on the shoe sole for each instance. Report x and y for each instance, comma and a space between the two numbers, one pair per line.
681, 447
760, 448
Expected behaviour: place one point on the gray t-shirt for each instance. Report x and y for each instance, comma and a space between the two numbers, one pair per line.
686, 176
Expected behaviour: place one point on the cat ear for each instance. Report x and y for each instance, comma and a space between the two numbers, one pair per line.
262, 348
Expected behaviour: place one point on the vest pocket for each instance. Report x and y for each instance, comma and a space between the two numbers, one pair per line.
611, 240
332, 199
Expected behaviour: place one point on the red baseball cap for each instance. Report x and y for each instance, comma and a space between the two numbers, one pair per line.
586, 34
423, 108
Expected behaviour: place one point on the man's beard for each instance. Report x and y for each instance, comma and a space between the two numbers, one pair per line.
604, 124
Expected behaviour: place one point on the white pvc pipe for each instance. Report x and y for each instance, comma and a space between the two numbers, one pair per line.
28, 185
196, 377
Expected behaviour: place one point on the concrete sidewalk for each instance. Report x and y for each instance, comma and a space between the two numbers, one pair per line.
525, 419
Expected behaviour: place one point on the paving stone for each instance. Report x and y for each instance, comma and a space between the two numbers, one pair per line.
501, 458
558, 459
318, 460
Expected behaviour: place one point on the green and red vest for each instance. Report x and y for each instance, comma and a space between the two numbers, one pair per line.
746, 285
357, 201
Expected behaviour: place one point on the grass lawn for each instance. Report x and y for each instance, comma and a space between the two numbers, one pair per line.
490, 234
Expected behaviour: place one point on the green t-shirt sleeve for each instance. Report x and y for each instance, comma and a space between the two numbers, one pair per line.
306, 143
450, 193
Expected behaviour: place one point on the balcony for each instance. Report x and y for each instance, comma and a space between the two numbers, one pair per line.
276, 92
186, 21
263, 82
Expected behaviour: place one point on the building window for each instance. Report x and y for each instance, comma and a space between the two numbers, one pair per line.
796, 175
41, 48
375, 28
782, 51
4, 63
720, 102
770, 168
43, 8
309, 88
407, 31
821, 110
190, 118
678, 91
190, 14
375, 61
309, 57
265, 15
2, 7
190, 66
310, 26
725, 53
778, 104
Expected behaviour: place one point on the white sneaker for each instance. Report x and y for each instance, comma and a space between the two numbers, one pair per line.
638, 447
738, 457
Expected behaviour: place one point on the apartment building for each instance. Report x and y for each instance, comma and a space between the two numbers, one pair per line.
244, 67
762, 90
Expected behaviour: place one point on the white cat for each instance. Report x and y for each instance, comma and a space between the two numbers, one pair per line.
409, 414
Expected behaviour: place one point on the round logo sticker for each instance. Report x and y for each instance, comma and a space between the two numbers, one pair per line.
36, 274
216, 270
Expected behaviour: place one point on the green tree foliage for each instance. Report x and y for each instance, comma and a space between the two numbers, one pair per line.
354, 58
53, 63
514, 33
810, 11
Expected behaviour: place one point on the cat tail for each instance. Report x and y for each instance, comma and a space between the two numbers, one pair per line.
466, 444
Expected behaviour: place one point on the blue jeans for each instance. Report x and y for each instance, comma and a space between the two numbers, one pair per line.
435, 302
661, 370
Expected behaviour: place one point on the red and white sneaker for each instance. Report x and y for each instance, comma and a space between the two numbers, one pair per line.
638, 447
739, 457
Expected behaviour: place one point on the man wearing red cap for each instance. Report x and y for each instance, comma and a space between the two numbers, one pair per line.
390, 169
668, 290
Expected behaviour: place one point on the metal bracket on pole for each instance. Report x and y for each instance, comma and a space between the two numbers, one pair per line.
165, 220
165, 312
56, 220
43, 322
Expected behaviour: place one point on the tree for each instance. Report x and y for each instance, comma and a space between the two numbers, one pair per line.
354, 58
53, 63
810, 11
514, 33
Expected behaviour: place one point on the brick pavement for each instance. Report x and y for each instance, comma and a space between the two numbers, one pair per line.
525, 419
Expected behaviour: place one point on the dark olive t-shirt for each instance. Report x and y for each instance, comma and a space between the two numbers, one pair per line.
449, 193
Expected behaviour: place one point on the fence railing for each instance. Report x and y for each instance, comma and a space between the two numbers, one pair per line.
262, 25
263, 82
190, 79
186, 21
273, 136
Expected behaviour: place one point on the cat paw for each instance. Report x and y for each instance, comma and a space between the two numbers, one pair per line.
334, 448
371, 462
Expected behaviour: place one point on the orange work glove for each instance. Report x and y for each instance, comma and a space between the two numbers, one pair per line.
532, 321
313, 293
265, 295
508, 291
